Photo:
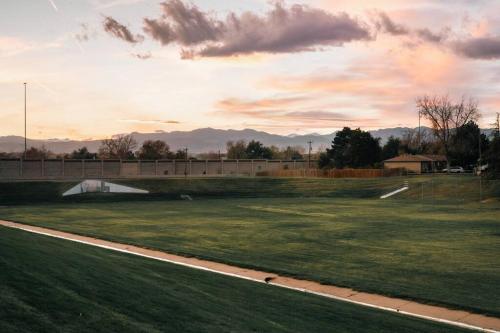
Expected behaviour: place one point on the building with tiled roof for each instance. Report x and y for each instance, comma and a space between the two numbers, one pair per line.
417, 163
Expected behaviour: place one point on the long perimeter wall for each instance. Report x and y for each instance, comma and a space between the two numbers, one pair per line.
16, 169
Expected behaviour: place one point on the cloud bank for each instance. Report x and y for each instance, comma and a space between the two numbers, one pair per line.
485, 48
478, 48
282, 29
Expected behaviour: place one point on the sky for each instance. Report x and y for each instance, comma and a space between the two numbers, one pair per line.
95, 68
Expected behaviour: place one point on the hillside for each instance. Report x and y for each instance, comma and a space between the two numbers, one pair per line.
198, 141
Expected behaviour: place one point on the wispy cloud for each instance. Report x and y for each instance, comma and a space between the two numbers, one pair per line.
150, 121
285, 112
105, 4
53, 4
142, 56
242, 106
387, 25
120, 31
483, 47
84, 34
12, 46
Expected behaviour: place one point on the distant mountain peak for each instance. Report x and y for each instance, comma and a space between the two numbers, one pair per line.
198, 141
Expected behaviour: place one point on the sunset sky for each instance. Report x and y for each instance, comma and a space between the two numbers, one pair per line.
100, 67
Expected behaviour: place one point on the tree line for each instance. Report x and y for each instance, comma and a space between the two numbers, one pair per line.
125, 147
240, 150
455, 134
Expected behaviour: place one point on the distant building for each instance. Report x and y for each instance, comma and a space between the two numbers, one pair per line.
417, 163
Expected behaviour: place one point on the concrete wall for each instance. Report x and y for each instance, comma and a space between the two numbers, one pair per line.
84, 169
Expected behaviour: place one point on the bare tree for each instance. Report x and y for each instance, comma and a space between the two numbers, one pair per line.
121, 147
415, 141
446, 115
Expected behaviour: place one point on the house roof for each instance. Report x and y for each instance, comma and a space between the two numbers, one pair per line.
417, 158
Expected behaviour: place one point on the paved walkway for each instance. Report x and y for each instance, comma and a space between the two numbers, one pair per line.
453, 317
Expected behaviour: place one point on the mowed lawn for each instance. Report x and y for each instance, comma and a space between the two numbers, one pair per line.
444, 252
52, 285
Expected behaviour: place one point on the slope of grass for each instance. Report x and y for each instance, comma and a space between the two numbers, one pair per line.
463, 187
442, 253
51, 285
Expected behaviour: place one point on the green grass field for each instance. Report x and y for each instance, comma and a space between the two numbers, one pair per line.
52, 285
434, 243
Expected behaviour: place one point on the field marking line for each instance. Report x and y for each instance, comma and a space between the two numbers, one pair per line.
480, 324
390, 194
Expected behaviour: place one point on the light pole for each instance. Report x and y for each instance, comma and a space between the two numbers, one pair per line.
186, 163
419, 132
309, 155
25, 140
480, 171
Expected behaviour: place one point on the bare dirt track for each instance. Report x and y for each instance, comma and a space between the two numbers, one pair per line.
453, 317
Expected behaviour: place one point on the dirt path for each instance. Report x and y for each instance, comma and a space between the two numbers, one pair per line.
453, 317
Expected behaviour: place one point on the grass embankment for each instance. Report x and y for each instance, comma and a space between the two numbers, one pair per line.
440, 253
434, 243
51, 285
434, 188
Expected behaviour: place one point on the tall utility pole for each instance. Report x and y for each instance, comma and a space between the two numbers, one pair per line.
25, 140
186, 163
309, 155
497, 125
480, 171
419, 131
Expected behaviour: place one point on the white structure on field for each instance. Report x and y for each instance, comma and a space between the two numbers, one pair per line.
404, 188
101, 186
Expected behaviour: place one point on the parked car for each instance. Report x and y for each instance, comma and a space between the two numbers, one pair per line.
455, 169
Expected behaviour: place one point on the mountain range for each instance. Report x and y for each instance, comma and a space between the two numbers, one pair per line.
198, 140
